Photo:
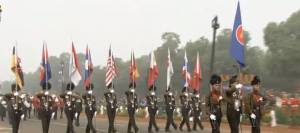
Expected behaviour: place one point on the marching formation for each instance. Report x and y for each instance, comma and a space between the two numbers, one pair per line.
72, 103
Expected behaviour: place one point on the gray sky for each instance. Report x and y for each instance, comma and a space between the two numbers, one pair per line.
125, 24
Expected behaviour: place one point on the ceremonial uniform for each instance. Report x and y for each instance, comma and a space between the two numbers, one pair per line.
170, 107
46, 107
132, 105
185, 110
90, 108
111, 106
196, 111
254, 105
14, 106
234, 102
152, 110
213, 104
78, 108
3, 106
69, 99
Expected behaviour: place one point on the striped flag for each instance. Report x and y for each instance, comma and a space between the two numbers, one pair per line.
197, 76
185, 71
16, 68
45, 69
88, 68
133, 70
111, 71
153, 70
170, 70
74, 67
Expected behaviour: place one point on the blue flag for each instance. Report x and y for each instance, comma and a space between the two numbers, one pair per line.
237, 39
45, 70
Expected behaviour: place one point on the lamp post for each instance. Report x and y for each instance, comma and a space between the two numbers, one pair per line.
215, 25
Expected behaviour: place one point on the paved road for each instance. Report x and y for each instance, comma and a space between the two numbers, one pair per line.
59, 126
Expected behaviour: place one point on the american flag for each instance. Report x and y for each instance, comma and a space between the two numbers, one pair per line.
111, 72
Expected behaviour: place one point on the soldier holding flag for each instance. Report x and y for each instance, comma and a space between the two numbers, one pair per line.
110, 96
89, 98
45, 106
213, 103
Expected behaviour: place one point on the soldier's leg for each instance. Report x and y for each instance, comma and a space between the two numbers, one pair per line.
154, 121
150, 123
172, 121
113, 120
87, 129
167, 127
182, 121
187, 123
110, 121
130, 121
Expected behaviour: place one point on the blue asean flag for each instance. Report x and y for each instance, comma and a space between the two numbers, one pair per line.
237, 39
45, 70
88, 67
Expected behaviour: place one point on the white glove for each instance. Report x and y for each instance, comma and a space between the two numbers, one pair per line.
261, 99
212, 117
46, 93
69, 92
76, 114
238, 86
22, 116
53, 114
90, 92
95, 114
220, 98
253, 116
16, 93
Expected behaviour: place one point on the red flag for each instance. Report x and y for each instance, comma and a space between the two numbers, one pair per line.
74, 67
197, 76
133, 70
153, 70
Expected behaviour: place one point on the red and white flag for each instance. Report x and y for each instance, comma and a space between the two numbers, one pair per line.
197, 76
153, 70
110, 69
170, 70
74, 67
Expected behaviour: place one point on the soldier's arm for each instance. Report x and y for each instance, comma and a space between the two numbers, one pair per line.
207, 104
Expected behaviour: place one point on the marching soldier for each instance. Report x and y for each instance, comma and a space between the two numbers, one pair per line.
69, 99
132, 105
90, 107
234, 102
197, 112
170, 107
14, 106
213, 103
3, 106
46, 106
78, 109
254, 103
185, 109
111, 106
152, 109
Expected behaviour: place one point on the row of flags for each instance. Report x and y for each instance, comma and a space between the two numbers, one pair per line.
236, 50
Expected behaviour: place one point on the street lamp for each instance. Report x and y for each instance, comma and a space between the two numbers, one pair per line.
215, 25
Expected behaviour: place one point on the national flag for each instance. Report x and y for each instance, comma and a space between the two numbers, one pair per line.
110, 69
16, 68
88, 68
185, 71
153, 70
133, 70
74, 67
170, 70
45, 69
237, 39
197, 76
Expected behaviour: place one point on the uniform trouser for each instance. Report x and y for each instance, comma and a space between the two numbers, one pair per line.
29, 112
233, 118
170, 120
255, 124
197, 121
70, 117
111, 113
152, 121
61, 112
77, 118
185, 119
89, 114
131, 123
215, 124
45, 118
15, 121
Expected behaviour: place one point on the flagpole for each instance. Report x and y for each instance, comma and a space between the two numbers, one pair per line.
16, 67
